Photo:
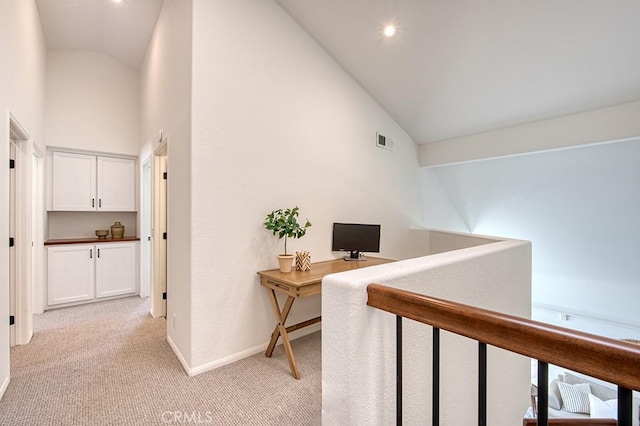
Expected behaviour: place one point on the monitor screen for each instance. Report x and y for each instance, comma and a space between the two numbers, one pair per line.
356, 238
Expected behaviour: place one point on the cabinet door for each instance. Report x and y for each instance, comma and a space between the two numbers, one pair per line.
115, 269
70, 273
73, 182
116, 184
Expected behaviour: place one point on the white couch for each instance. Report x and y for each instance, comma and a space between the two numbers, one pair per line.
560, 408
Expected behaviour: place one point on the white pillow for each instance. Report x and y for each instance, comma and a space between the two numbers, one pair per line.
603, 409
555, 399
575, 398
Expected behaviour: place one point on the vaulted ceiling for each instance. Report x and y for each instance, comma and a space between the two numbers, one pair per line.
454, 67
121, 30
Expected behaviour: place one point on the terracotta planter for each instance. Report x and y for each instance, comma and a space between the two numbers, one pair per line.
285, 260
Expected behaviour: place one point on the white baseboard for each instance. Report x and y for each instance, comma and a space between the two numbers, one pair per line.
243, 354
179, 355
4, 387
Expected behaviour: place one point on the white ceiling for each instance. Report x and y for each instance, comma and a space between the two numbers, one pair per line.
120, 30
455, 67
459, 67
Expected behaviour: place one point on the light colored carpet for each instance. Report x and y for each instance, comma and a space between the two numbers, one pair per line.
109, 363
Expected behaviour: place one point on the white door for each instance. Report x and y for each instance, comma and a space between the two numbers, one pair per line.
116, 184
71, 275
145, 232
4, 293
73, 182
115, 269
163, 226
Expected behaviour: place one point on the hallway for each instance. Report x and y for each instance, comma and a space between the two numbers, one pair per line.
109, 364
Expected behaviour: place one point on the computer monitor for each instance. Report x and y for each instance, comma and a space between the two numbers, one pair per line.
356, 238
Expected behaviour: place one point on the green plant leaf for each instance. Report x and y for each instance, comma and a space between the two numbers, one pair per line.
284, 224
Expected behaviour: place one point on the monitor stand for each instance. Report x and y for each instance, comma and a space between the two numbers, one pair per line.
355, 255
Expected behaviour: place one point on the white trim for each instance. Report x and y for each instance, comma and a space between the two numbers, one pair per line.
16, 131
90, 152
145, 227
38, 251
158, 245
39, 151
227, 360
22, 299
243, 354
4, 386
176, 351
161, 149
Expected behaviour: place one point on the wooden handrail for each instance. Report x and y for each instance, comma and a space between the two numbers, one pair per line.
607, 359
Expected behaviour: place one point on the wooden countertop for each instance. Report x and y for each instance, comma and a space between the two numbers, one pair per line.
93, 240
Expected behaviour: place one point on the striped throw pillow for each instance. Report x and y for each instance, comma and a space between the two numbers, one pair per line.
575, 398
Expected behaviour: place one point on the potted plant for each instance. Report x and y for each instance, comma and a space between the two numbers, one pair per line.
284, 224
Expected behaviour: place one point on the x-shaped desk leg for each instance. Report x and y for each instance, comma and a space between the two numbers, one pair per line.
281, 331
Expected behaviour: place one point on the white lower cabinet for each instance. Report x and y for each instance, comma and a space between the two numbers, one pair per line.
71, 273
83, 272
115, 269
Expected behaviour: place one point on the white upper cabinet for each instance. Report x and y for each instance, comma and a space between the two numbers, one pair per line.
83, 182
74, 182
116, 184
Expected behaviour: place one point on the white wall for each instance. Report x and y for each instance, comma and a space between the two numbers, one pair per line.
580, 209
22, 85
92, 102
84, 224
277, 123
358, 342
165, 98
606, 124
441, 241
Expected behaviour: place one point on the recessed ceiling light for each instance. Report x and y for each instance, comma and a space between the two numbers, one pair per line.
389, 30
117, 1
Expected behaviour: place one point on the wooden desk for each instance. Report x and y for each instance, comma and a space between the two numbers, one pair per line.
301, 284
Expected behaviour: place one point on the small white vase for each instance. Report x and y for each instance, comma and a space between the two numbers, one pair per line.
285, 260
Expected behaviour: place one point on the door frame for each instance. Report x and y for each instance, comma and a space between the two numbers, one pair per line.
14, 273
24, 209
159, 226
146, 227
37, 230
